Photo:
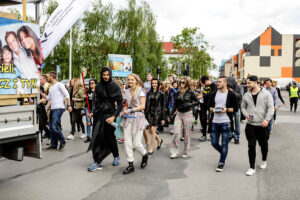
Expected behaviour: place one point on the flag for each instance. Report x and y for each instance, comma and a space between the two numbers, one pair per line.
60, 21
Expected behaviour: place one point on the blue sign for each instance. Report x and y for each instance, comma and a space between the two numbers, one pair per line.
121, 65
57, 69
43, 65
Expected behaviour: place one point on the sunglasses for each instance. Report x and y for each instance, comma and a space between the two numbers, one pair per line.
92, 83
182, 82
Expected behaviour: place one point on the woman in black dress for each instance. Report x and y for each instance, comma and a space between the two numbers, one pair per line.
154, 112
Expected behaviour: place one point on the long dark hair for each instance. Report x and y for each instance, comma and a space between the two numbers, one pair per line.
28, 31
158, 84
95, 81
6, 47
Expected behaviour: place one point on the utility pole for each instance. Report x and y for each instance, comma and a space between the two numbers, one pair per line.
70, 59
24, 10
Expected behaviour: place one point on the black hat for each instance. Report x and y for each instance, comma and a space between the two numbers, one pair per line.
253, 78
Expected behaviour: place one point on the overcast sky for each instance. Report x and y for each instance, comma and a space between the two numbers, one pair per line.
226, 24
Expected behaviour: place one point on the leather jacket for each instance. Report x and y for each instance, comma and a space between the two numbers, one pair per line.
157, 99
186, 103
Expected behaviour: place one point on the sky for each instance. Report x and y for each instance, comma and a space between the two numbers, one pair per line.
226, 24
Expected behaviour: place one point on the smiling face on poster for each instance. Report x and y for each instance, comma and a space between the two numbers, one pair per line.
20, 56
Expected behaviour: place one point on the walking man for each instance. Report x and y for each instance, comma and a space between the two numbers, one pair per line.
222, 105
57, 94
274, 94
107, 94
238, 91
258, 107
294, 94
209, 87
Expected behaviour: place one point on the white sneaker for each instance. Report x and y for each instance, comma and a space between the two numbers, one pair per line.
263, 165
173, 156
250, 172
71, 137
48, 142
185, 156
83, 136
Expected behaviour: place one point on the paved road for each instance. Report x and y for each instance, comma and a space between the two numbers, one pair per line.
64, 175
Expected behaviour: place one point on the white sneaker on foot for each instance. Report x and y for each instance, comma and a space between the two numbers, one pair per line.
83, 136
263, 165
173, 156
185, 156
70, 137
250, 172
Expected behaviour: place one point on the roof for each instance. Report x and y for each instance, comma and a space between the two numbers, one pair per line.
15, 2
169, 48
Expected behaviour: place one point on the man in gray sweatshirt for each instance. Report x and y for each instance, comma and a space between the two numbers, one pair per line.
258, 107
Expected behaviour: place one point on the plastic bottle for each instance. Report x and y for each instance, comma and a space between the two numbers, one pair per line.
114, 124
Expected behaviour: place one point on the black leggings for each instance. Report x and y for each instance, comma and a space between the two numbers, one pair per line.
203, 118
294, 101
77, 118
260, 134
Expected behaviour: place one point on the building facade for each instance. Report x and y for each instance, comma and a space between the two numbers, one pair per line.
270, 55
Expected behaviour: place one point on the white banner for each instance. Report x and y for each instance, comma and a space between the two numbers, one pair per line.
61, 20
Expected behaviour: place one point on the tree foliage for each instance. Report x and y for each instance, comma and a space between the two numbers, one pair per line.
104, 30
194, 48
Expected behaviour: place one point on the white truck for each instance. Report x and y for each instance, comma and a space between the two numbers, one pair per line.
19, 134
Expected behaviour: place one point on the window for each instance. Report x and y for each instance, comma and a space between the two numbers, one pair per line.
272, 52
265, 61
279, 52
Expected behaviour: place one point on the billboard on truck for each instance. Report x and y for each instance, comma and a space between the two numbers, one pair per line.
20, 57
121, 65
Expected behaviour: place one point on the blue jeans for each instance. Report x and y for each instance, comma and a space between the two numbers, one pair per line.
88, 127
237, 121
224, 130
56, 134
270, 125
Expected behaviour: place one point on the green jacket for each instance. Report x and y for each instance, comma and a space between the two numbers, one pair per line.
79, 95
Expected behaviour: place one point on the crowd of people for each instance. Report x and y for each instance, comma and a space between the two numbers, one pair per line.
128, 112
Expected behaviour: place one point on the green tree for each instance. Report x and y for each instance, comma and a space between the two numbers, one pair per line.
194, 48
136, 35
19, 15
98, 38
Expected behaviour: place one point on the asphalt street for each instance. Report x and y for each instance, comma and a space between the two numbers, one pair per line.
64, 175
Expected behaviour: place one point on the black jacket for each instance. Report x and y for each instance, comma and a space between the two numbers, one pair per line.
186, 103
159, 102
207, 92
231, 102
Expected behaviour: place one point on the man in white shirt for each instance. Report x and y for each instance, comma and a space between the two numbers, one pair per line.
57, 94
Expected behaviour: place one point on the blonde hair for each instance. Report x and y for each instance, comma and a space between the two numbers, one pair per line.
120, 84
186, 86
133, 93
78, 86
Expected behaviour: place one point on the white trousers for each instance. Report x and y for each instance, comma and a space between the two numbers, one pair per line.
136, 138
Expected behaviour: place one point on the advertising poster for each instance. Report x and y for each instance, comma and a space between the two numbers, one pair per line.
121, 65
20, 56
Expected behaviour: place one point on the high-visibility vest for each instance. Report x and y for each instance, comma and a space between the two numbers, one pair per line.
294, 92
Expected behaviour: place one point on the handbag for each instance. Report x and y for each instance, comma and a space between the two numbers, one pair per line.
82, 112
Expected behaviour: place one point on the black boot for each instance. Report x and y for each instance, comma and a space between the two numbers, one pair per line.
129, 169
144, 161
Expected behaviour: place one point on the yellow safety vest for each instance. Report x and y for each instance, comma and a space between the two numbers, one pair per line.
294, 92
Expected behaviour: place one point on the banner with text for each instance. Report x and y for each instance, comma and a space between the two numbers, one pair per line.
20, 56
60, 21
